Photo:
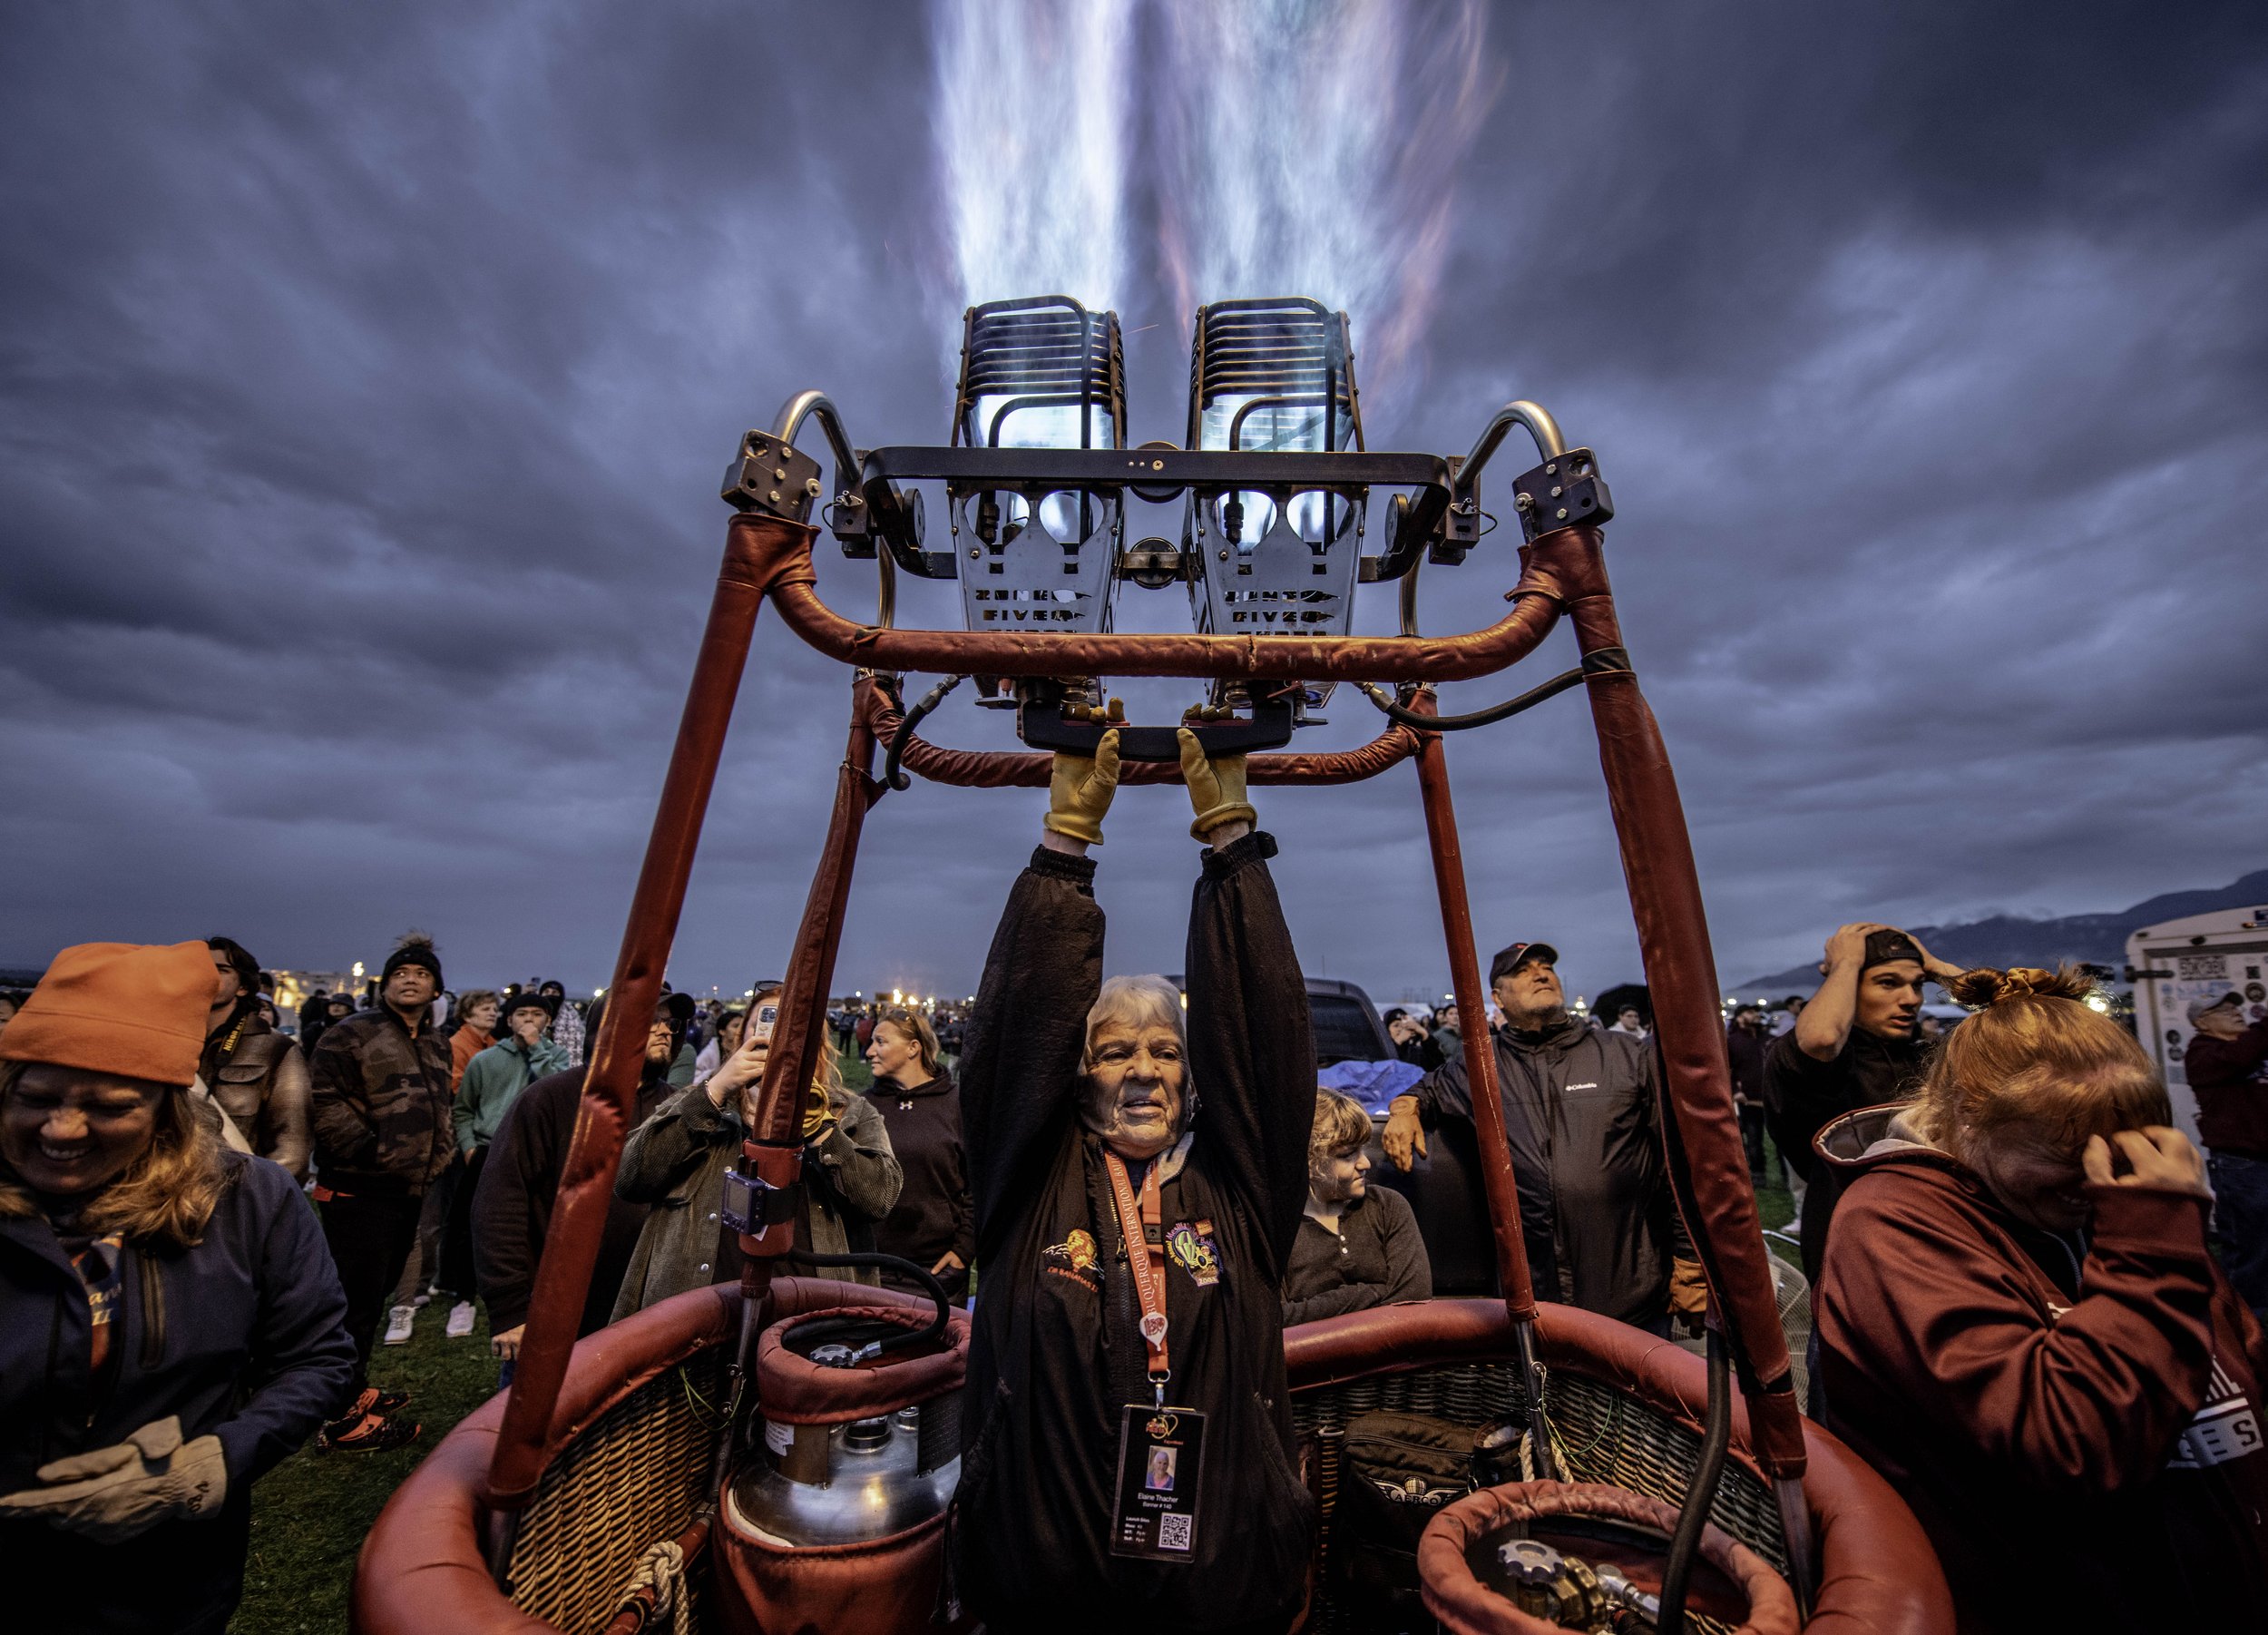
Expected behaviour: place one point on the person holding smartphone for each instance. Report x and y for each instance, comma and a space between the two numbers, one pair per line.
676, 1162
2021, 1328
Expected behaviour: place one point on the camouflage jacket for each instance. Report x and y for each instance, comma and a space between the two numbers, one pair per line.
382, 1105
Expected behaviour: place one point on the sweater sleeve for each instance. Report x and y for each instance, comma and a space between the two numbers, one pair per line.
665, 1151
1409, 1270
1332, 1303
1801, 1094
1252, 1051
301, 1360
859, 1161
1917, 1301
1026, 1036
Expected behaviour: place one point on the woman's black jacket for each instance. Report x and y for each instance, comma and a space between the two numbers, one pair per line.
1055, 1351
933, 1215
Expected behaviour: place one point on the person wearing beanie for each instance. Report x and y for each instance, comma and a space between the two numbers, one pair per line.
256, 1076
383, 1136
171, 1326
1855, 1044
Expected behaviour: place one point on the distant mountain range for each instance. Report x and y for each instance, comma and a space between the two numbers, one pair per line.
2008, 939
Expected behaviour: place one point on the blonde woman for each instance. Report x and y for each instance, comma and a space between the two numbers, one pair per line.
2020, 1326
171, 1324
934, 1224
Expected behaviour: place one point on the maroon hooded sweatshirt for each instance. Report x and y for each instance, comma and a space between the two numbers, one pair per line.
2074, 1420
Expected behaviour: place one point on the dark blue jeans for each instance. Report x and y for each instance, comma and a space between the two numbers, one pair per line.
2240, 1220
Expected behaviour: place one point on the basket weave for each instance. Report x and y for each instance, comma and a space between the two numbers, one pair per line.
635, 1476
1602, 1435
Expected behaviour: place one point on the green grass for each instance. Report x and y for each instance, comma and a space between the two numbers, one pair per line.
311, 1514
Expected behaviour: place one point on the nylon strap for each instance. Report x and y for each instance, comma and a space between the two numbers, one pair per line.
1138, 1224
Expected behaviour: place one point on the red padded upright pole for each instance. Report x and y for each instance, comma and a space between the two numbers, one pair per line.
610, 1093
1681, 976
1497, 1179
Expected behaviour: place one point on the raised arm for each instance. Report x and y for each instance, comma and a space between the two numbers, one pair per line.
1252, 1054
1019, 1075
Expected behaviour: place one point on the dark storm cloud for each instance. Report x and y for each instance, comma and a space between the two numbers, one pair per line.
367, 373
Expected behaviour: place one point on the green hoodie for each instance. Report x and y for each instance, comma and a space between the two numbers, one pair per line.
492, 1079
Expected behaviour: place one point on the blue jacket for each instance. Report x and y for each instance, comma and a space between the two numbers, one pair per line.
243, 1337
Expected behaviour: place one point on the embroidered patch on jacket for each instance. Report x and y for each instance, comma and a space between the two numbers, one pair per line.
1190, 1246
1074, 1257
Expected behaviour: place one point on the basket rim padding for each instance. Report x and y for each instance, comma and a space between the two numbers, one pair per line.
1455, 1596
795, 1390
1878, 1573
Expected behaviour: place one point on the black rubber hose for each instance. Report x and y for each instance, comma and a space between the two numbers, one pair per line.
1686, 1542
891, 774
893, 1263
1479, 718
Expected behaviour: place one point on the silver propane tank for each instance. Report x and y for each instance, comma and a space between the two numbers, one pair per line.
852, 1483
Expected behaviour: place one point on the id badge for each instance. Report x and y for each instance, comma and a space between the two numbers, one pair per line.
1162, 1453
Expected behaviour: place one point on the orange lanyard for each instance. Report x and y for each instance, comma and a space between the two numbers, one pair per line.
1135, 1224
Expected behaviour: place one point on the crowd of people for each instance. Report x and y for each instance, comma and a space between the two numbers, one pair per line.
210, 1222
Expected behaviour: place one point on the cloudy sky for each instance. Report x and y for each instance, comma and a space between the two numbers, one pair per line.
368, 371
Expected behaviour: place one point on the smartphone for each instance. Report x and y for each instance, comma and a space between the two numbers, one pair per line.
761, 1025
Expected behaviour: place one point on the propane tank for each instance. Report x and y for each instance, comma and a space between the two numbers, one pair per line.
834, 1517
850, 1484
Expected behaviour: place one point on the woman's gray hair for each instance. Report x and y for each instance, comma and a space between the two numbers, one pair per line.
1138, 1002
1135, 1001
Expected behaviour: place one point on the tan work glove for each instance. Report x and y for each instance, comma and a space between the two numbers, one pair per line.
113, 1493
1405, 1135
1080, 792
1217, 788
1688, 1291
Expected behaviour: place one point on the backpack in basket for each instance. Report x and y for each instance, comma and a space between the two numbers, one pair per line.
1395, 1472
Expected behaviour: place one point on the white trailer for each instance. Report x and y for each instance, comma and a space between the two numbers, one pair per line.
2175, 963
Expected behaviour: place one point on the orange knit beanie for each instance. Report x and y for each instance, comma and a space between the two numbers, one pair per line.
117, 1008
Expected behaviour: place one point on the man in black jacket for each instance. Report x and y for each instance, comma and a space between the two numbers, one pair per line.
1075, 1097
1854, 1045
1582, 1115
1745, 1041
511, 1209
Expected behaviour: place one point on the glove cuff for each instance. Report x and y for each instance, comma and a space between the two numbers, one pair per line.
1074, 826
1229, 811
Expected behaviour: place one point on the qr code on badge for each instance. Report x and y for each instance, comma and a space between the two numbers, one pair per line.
1173, 1531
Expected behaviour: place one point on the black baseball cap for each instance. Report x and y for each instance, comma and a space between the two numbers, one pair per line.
1510, 959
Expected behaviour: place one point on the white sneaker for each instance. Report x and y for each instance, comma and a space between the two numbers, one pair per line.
399, 1323
461, 1317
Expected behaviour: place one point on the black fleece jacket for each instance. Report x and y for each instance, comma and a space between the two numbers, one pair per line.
934, 1213
1055, 1352
512, 1211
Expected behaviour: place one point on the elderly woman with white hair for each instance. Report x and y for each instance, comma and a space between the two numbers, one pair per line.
1129, 1445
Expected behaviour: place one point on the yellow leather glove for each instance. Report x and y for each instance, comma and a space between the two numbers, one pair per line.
1080, 792
1217, 788
110, 1494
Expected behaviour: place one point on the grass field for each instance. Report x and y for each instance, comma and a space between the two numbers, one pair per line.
311, 1514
